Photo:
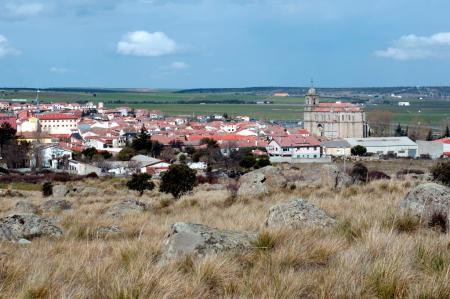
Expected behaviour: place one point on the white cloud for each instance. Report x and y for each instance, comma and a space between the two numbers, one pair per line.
179, 65
411, 46
6, 49
59, 70
17, 11
143, 43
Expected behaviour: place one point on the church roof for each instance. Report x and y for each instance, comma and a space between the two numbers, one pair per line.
337, 107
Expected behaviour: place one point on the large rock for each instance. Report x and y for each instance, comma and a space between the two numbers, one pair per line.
297, 213
60, 190
56, 205
189, 238
126, 208
26, 226
107, 231
261, 181
428, 199
26, 207
318, 175
86, 190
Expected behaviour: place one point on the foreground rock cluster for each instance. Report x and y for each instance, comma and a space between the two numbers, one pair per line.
26, 226
428, 200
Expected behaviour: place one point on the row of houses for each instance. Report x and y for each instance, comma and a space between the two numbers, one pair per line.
402, 147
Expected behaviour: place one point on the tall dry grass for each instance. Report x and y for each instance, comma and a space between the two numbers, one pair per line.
374, 251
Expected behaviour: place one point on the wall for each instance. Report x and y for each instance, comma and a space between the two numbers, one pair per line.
299, 161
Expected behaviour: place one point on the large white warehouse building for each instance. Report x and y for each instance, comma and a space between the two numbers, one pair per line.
399, 146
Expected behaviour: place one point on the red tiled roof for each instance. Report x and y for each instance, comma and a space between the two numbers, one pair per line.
337, 107
445, 140
295, 140
59, 116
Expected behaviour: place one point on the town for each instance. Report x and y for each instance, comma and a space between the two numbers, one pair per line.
91, 138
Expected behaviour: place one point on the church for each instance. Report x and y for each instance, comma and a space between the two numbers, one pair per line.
333, 120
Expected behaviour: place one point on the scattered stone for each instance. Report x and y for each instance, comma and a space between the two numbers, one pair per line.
60, 190
10, 193
297, 213
26, 226
55, 205
427, 200
90, 191
106, 231
261, 181
319, 175
126, 207
26, 207
23, 242
189, 238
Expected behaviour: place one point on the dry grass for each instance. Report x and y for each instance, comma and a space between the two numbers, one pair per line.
373, 251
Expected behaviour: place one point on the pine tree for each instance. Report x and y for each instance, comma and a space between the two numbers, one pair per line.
430, 135
399, 131
447, 132
406, 133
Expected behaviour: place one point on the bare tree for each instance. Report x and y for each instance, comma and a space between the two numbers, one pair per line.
380, 122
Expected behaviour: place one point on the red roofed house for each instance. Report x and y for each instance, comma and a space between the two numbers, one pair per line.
4, 118
446, 145
333, 120
294, 146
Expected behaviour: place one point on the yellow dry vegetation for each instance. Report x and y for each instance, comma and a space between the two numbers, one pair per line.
374, 251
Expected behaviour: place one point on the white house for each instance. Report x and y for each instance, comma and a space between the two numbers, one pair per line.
53, 156
294, 146
81, 168
398, 146
59, 123
403, 104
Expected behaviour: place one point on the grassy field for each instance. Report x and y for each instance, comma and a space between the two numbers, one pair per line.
374, 250
430, 112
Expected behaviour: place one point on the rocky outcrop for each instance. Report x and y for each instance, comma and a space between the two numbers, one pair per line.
297, 213
189, 238
60, 190
318, 175
26, 207
427, 200
85, 190
107, 231
261, 181
55, 205
126, 207
26, 226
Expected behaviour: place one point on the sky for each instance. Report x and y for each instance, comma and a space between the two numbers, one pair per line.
223, 43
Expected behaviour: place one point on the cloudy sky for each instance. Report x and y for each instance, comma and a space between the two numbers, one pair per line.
223, 43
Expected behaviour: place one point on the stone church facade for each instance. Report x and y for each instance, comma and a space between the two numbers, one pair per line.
333, 120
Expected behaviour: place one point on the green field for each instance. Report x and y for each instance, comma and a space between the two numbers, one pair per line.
430, 112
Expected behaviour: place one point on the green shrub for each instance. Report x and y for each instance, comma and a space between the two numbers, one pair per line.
140, 182
248, 161
47, 189
359, 172
263, 162
178, 180
358, 150
441, 172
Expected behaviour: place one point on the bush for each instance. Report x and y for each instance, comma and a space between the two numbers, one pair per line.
439, 221
358, 150
178, 180
140, 182
248, 161
92, 175
403, 172
441, 172
126, 154
263, 162
359, 172
47, 189
377, 175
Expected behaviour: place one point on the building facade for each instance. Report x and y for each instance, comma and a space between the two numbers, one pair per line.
333, 120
